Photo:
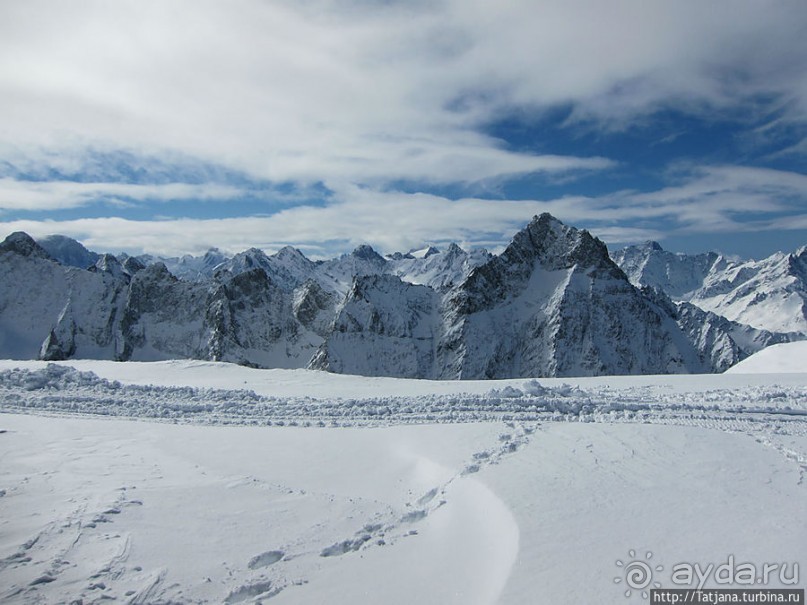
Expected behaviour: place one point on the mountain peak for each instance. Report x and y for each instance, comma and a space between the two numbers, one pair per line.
556, 245
546, 244
254, 252
68, 251
253, 257
23, 244
553, 303
132, 265
400, 256
424, 252
290, 253
366, 252
108, 263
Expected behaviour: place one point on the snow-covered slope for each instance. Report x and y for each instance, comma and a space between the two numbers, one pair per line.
385, 327
776, 359
245, 318
552, 304
195, 268
288, 268
770, 294
677, 275
68, 251
438, 269
719, 341
456, 493
53, 311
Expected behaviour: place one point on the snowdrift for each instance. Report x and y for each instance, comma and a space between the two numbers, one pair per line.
776, 359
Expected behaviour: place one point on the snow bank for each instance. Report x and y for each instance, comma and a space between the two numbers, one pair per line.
787, 358
64, 389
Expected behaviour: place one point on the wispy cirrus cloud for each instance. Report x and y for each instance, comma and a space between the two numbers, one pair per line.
370, 92
281, 91
714, 198
204, 100
718, 199
60, 195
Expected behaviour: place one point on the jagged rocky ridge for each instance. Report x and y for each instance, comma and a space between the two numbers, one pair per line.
769, 294
553, 303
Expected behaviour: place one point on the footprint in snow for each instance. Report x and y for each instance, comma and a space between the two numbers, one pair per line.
346, 546
427, 497
414, 516
265, 559
250, 591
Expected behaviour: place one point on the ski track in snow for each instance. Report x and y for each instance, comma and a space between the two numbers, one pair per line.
772, 415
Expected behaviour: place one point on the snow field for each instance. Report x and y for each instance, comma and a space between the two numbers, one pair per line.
146, 483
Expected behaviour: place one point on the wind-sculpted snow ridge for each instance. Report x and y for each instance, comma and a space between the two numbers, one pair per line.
64, 390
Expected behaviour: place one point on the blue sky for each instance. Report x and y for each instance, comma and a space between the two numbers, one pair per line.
173, 127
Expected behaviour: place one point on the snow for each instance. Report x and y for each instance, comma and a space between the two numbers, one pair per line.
552, 304
163, 482
768, 294
783, 358
68, 251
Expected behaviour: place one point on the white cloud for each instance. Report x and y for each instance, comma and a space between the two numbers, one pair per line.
387, 221
59, 195
266, 87
365, 92
712, 198
360, 95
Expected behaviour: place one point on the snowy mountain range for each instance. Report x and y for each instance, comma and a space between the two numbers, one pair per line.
554, 303
769, 294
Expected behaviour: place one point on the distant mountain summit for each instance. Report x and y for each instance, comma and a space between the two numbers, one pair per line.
24, 245
676, 274
68, 251
769, 294
553, 303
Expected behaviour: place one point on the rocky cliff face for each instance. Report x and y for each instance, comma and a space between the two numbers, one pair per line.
384, 327
163, 317
68, 251
677, 275
251, 320
51, 311
769, 294
553, 303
